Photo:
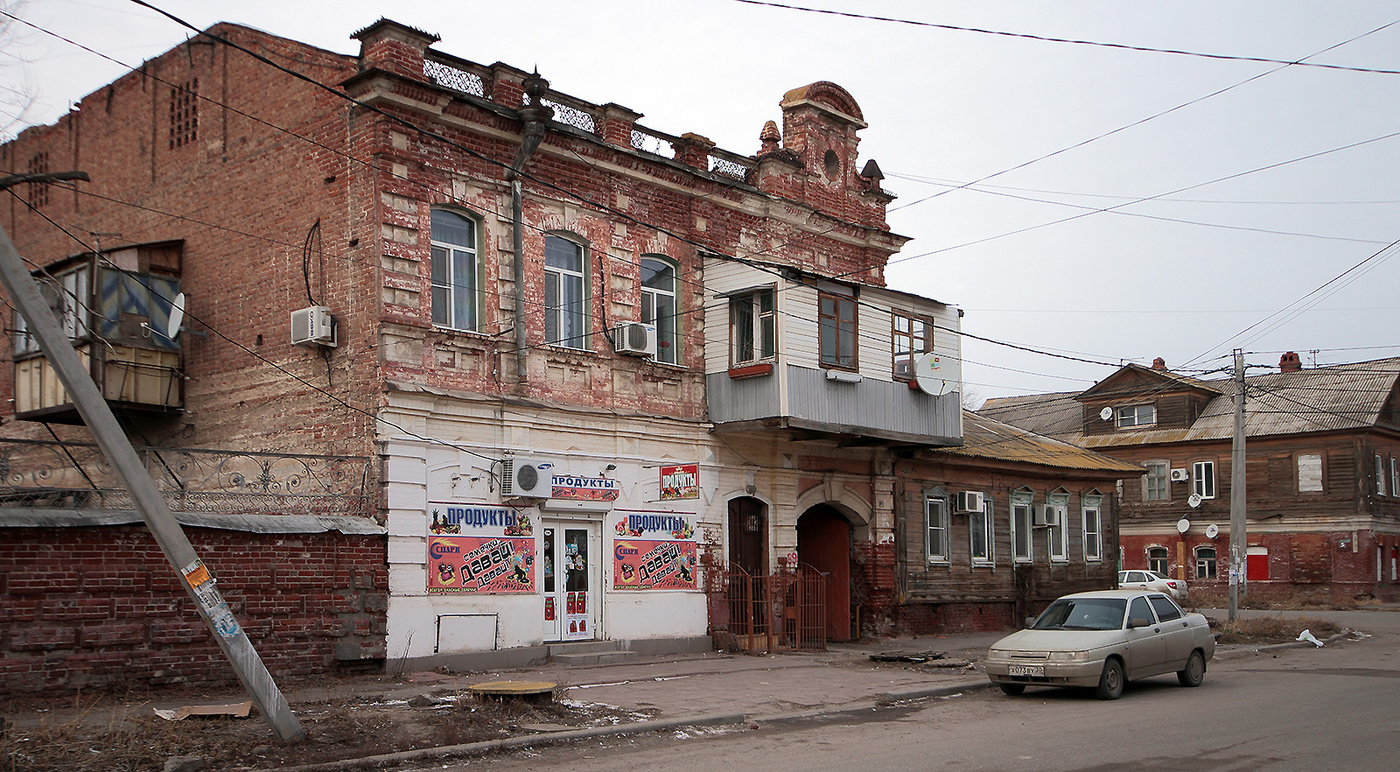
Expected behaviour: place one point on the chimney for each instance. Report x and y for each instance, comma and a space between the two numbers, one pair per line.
1159, 364
1289, 362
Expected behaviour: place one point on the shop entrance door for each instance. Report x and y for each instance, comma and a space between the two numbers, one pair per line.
571, 583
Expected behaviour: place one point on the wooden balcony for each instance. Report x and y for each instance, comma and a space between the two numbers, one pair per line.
131, 378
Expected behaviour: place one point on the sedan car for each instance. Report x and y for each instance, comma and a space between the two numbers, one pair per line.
1150, 580
1103, 640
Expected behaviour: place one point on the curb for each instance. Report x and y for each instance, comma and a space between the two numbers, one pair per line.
486, 746
944, 690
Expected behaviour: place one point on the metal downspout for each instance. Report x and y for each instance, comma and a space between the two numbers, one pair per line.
534, 114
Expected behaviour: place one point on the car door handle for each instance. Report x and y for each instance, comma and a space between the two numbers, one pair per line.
1156, 629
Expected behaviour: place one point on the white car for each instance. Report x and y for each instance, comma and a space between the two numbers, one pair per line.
1150, 580
1103, 640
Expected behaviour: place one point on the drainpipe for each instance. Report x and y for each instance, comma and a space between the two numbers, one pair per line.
534, 114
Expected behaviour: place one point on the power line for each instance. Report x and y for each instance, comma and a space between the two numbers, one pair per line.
1050, 39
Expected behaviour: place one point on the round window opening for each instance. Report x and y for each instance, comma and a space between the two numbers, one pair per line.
833, 164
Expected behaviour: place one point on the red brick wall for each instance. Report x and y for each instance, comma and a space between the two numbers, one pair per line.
100, 608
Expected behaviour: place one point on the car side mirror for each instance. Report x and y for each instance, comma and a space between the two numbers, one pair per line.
1139, 622
1030, 621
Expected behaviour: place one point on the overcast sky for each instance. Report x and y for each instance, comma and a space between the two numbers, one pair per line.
1271, 180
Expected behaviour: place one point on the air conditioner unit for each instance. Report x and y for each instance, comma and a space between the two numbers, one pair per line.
968, 501
530, 477
635, 338
1181, 475
1045, 516
313, 326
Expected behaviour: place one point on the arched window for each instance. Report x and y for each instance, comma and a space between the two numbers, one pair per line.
1205, 563
659, 306
565, 293
455, 270
1157, 560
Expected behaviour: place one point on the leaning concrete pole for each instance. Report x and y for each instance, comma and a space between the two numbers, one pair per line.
1237, 491
231, 637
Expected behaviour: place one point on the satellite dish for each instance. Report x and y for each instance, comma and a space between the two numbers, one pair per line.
1194, 500
177, 316
1106, 413
1212, 531
1183, 525
937, 375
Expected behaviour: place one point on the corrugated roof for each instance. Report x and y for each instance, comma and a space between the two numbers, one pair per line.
985, 437
1319, 399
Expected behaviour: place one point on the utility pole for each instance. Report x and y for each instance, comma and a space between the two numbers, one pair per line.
96, 413
1237, 492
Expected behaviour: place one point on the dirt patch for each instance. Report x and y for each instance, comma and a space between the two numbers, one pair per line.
1268, 630
119, 735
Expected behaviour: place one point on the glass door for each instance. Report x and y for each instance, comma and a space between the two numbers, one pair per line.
570, 582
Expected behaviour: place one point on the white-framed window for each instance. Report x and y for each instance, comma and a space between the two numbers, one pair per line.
1057, 532
1380, 475
936, 529
1205, 563
455, 271
69, 294
1021, 526
1133, 416
565, 293
1093, 528
753, 327
837, 329
1156, 484
979, 526
1203, 479
1158, 560
660, 305
1395, 475
1310, 473
912, 337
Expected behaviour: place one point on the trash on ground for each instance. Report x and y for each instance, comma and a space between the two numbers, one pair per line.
233, 709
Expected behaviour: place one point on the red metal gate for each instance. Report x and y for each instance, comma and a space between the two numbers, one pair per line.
785, 611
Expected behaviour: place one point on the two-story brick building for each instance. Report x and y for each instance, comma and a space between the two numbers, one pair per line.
1322, 468
571, 355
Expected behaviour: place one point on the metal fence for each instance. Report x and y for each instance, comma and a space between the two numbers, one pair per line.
785, 611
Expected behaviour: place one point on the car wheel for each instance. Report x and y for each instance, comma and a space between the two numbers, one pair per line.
1110, 681
1012, 689
1194, 672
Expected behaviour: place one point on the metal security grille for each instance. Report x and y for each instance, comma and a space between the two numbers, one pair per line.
785, 611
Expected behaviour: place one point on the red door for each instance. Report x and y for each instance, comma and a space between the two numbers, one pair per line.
824, 543
1256, 564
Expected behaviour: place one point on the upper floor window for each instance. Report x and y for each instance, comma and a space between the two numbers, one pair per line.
979, 524
38, 191
184, 113
1203, 479
753, 327
69, 294
1380, 475
1136, 415
1309, 472
936, 521
454, 270
565, 293
836, 315
1093, 529
1156, 484
912, 337
659, 293
1395, 475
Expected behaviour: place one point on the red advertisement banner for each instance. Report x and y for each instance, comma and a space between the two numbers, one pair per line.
681, 481
481, 564
654, 565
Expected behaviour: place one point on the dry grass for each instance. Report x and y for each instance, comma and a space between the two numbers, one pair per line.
116, 738
1265, 630
1310, 600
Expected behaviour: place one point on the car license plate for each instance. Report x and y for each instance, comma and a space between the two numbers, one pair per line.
1025, 670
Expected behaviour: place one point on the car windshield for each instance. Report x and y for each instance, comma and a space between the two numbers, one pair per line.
1082, 614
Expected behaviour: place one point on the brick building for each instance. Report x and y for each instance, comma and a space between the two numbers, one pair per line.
501, 365
1322, 468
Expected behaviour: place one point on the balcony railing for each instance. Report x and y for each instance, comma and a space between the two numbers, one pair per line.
66, 475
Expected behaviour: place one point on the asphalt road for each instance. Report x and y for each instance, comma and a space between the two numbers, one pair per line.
1297, 709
